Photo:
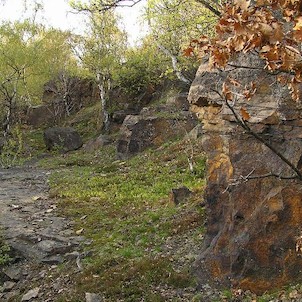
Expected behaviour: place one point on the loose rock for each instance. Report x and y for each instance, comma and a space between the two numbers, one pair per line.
33, 293
92, 297
65, 139
8, 286
180, 195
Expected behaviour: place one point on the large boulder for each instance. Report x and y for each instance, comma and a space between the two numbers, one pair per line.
63, 138
152, 128
253, 238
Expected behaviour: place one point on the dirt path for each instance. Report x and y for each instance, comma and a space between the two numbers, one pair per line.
38, 235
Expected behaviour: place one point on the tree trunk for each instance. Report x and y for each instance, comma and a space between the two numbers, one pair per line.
101, 82
175, 64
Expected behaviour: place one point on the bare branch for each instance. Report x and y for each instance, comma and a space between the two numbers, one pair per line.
207, 5
250, 131
242, 179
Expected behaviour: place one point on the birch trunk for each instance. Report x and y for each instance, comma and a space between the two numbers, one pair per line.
105, 114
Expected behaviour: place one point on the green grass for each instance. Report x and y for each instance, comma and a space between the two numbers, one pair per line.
87, 121
124, 207
5, 252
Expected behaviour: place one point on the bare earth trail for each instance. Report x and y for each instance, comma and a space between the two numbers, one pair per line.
41, 238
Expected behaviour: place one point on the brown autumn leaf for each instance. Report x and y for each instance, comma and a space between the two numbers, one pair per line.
188, 52
245, 115
227, 92
282, 79
295, 89
298, 72
288, 14
254, 41
239, 43
234, 82
242, 4
297, 34
277, 34
265, 29
288, 58
253, 86
265, 48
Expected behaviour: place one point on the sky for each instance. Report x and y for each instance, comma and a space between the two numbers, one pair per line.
58, 14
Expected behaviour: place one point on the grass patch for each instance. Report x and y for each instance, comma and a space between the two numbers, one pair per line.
87, 121
124, 207
5, 252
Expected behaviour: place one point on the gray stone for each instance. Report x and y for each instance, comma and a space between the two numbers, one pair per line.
119, 116
64, 138
195, 133
8, 286
152, 128
93, 297
13, 273
40, 115
53, 260
180, 195
179, 101
97, 143
53, 247
10, 295
33, 293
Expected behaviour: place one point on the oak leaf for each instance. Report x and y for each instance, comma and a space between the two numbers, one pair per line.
298, 29
245, 115
227, 92
188, 52
242, 4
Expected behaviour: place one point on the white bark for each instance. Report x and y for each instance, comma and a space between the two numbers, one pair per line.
175, 66
101, 86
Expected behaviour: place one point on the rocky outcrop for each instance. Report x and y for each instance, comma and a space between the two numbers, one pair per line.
119, 116
97, 143
62, 97
179, 101
39, 116
78, 92
152, 127
63, 138
254, 222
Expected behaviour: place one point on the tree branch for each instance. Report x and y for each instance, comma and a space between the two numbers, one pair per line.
209, 7
244, 125
250, 131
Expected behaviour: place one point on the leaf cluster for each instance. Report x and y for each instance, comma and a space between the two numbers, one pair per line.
272, 29
143, 67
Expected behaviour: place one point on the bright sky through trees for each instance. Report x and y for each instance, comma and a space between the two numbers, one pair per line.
58, 14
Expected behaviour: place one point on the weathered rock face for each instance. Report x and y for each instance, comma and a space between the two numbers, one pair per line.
254, 226
152, 128
64, 138
39, 115
179, 101
80, 92
62, 97
97, 143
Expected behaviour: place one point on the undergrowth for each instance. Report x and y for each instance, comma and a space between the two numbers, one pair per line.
5, 250
137, 233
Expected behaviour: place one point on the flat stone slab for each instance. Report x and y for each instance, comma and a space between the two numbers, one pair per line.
29, 218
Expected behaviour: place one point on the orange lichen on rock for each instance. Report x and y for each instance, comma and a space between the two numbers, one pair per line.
254, 226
